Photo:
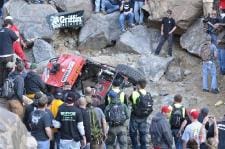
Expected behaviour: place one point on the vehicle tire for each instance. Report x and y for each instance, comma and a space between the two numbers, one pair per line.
133, 74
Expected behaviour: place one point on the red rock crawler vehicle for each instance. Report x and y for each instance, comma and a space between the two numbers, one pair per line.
73, 72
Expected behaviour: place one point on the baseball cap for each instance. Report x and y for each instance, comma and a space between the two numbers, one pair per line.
9, 18
165, 109
194, 113
72, 97
112, 94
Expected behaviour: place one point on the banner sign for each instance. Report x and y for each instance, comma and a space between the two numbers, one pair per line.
66, 20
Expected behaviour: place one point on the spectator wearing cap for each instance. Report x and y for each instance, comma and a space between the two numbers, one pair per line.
117, 130
95, 112
116, 88
17, 45
55, 104
7, 37
72, 131
193, 130
33, 83
167, 29
160, 131
40, 122
208, 53
16, 102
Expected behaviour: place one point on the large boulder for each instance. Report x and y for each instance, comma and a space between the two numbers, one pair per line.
194, 37
99, 31
75, 5
139, 40
185, 12
175, 72
13, 133
42, 51
31, 18
153, 67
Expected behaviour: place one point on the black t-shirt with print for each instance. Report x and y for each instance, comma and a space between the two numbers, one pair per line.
168, 24
38, 121
69, 117
7, 37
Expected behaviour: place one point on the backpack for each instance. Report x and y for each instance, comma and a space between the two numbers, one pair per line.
8, 88
176, 117
116, 114
144, 105
96, 131
205, 52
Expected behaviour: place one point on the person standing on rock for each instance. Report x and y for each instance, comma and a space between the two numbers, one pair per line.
7, 37
17, 45
208, 55
207, 7
138, 12
160, 132
126, 13
167, 28
213, 26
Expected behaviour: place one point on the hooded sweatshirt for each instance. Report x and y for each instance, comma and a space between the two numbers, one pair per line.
160, 132
33, 83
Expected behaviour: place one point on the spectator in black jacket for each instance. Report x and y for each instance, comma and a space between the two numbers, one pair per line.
16, 102
7, 37
33, 83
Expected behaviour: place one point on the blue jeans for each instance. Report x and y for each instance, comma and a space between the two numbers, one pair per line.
69, 144
109, 7
123, 17
213, 38
221, 60
177, 140
140, 126
138, 12
98, 5
209, 67
43, 144
162, 40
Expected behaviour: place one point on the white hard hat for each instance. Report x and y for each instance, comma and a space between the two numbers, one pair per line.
9, 18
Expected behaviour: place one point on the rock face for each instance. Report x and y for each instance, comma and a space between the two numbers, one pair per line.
175, 73
30, 20
184, 11
75, 5
139, 39
42, 51
99, 31
153, 67
193, 38
13, 133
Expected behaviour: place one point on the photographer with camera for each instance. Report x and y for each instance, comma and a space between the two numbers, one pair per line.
209, 129
211, 23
